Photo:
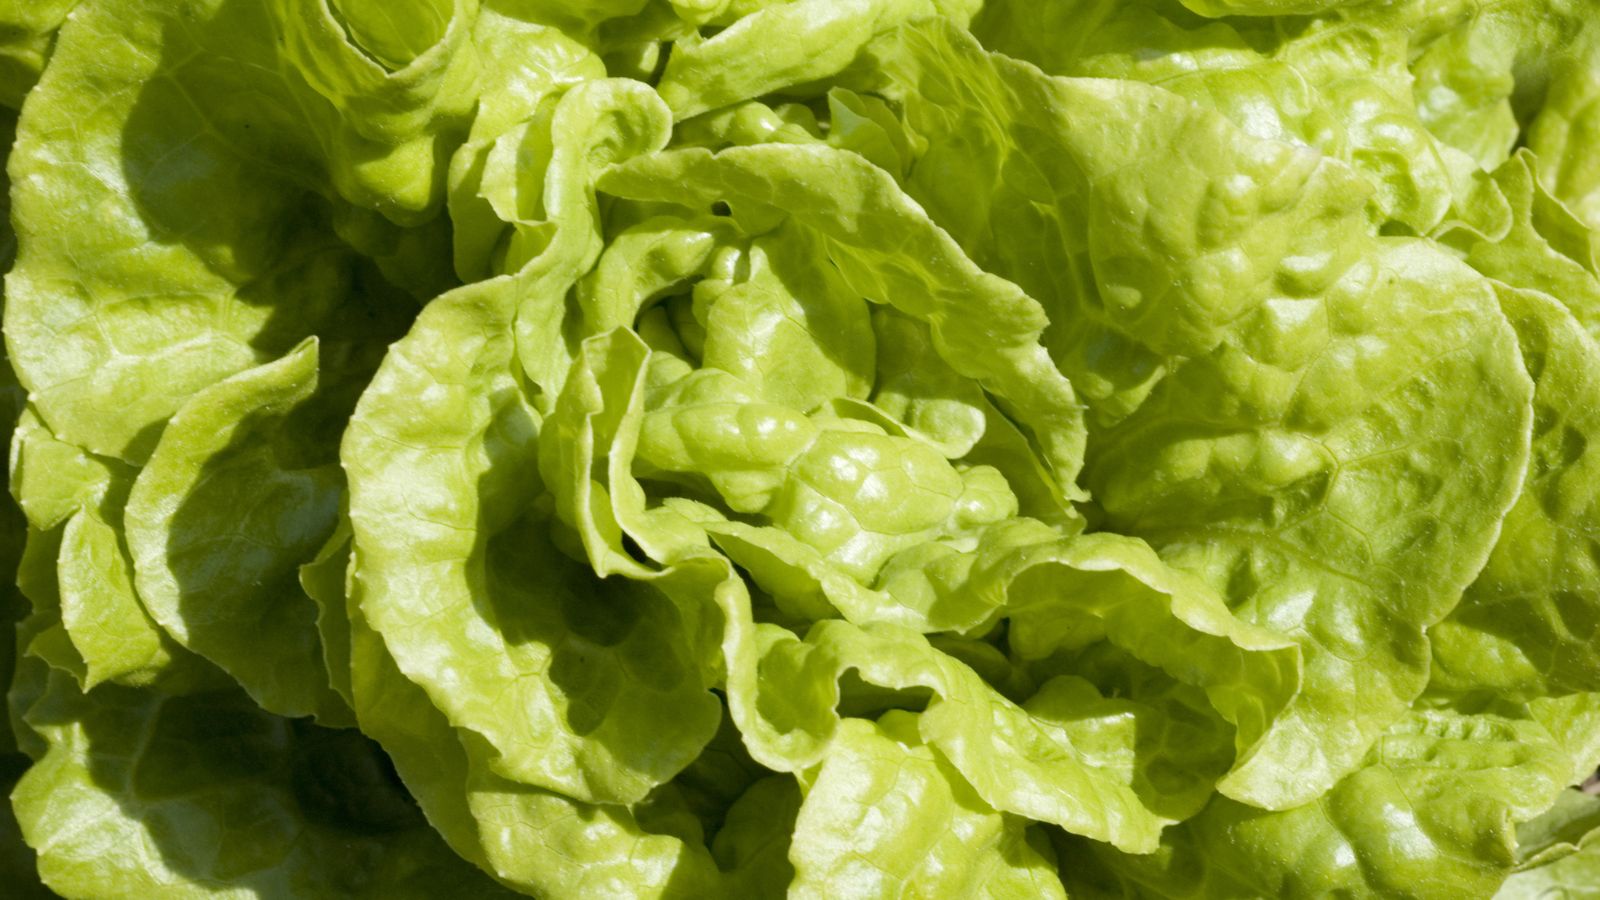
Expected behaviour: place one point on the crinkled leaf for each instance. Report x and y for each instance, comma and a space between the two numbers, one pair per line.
1430, 813
232, 501
114, 328
1282, 409
984, 326
140, 793
886, 816
1527, 625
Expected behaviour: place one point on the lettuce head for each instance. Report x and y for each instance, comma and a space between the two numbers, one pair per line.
823, 448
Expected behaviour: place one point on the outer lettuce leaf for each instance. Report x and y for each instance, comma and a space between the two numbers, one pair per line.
1545, 248
1526, 626
323, 580
1338, 83
399, 81
185, 293
141, 793
1062, 758
577, 669
114, 329
560, 660
103, 617
1282, 407
78, 571
51, 479
18, 865
236, 478
1296, 517
1104, 586
1431, 813
1126, 281
536, 841
1479, 65
544, 843
1416, 96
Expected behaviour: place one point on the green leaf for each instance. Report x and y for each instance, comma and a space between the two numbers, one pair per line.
324, 581
117, 327
525, 68
1562, 132
1288, 441
141, 793
1385, 88
591, 669
1049, 764
77, 570
1570, 878
1565, 864
1105, 587
984, 326
782, 46
791, 328
1545, 248
235, 496
102, 614
595, 126
1526, 627
887, 816
537, 841
1430, 813
29, 28
1565, 828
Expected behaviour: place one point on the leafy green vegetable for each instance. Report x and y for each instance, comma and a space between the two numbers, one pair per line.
735, 448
